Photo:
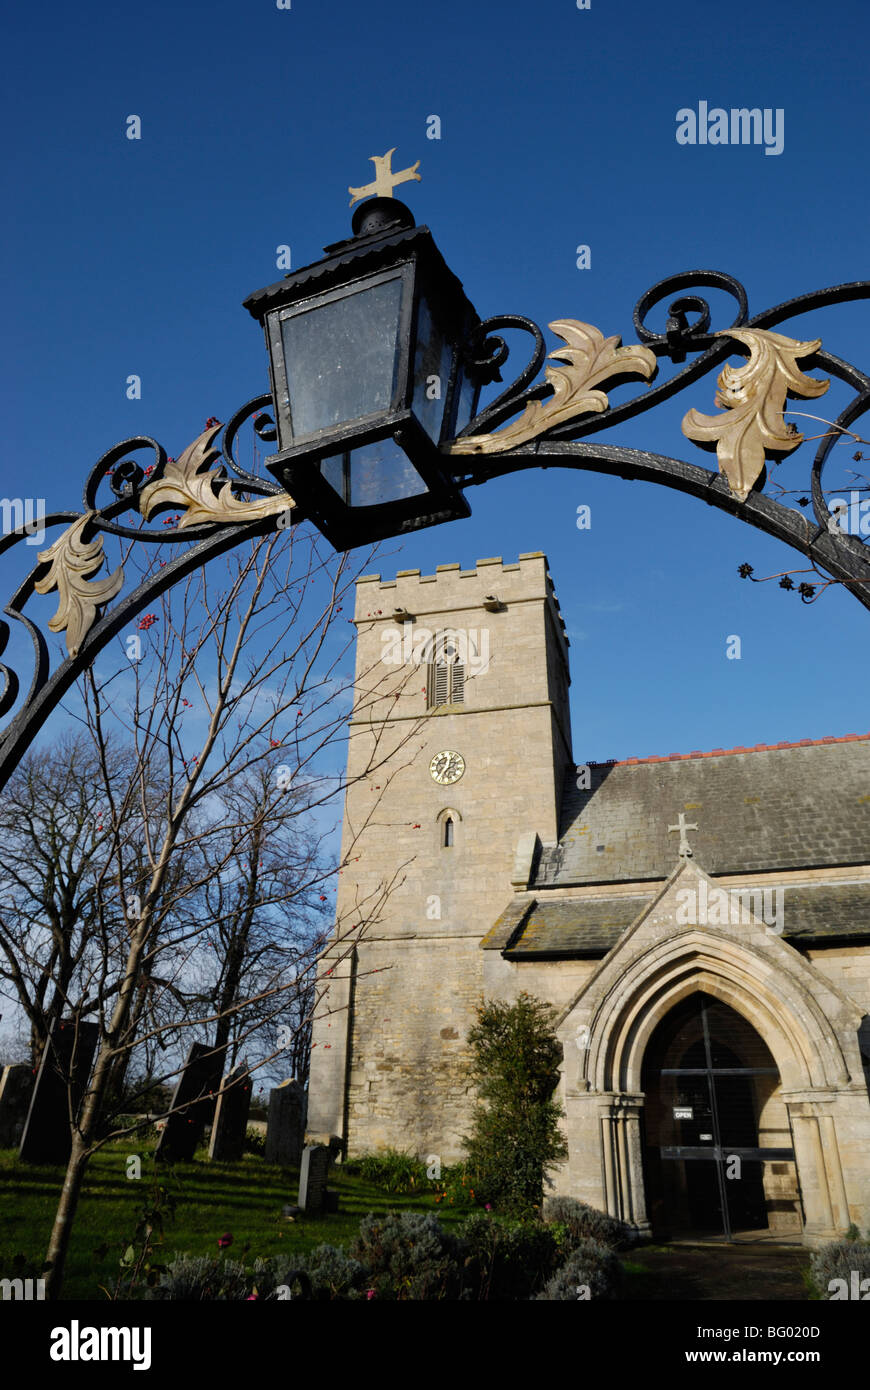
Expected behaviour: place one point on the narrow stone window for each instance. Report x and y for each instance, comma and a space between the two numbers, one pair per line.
447, 822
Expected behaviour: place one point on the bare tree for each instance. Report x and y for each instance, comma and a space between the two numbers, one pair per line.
234, 720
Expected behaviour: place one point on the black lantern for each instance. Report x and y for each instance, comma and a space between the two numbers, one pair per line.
367, 353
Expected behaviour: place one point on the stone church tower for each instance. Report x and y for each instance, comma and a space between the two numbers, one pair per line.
479, 667
700, 922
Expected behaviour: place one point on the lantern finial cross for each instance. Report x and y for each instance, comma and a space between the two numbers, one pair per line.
385, 180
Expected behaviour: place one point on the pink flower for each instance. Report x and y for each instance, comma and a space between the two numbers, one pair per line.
488, 1207
224, 1241
370, 1293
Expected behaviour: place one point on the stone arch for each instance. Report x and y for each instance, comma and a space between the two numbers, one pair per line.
807, 1023
626, 1000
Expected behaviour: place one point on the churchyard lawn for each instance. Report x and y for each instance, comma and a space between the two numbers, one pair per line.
243, 1199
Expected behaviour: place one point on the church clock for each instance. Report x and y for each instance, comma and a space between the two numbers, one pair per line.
446, 767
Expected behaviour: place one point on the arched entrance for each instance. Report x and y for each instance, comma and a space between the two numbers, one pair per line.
718, 1153
772, 1018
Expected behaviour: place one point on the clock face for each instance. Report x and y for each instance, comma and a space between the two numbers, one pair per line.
446, 768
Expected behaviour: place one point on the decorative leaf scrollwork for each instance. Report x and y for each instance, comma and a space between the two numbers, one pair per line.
205, 496
71, 560
754, 397
591, 359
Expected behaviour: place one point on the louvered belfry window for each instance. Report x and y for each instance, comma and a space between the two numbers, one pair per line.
446, 675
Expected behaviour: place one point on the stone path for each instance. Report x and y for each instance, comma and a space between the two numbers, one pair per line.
761, 1272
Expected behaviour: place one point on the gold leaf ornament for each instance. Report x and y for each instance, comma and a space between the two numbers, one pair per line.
71, 560
204, 495
590, 359
754, 398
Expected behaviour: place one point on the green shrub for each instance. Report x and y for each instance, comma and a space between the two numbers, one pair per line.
255, 1143
332, 1275
455, 1188
392, 1170
592, 1271
515, 1136
581, 1222
838, 1261
408, 1255
200, 1279
506, 1260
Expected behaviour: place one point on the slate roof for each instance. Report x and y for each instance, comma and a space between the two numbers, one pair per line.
563, 928
788, 806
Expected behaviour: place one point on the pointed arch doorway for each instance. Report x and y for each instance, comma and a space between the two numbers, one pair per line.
718, 1148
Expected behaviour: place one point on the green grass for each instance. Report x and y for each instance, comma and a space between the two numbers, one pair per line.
243, 1198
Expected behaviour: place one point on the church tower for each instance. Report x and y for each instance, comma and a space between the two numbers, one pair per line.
459, 741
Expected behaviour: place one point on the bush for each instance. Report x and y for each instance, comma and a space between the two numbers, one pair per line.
455, 1188
838, 1261
392, 1170
591, 1270
581, 1222
201, 1278
332, 1275
506, 1260
408, 1255
255, 1143
515, 1136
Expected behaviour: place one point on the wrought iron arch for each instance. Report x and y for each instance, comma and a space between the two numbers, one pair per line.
560, 412
219, 507
214, 518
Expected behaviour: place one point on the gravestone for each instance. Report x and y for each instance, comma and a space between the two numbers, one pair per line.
16, 1086
192, 1104
59, 1087
285, 1129
231, 1117
312, 1178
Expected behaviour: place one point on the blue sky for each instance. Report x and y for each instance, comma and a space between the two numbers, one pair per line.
558, 128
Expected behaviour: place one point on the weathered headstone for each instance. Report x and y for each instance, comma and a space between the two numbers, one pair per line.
312, 1178
192, 1104
58, 1090
285, 1130
16, 1087
231, 1117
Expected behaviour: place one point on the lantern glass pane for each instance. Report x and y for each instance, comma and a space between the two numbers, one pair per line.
382, 472
466, 401
375, 473
432, 362
333, 471
340, 358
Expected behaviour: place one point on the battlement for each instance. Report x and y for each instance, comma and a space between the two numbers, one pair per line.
491, 580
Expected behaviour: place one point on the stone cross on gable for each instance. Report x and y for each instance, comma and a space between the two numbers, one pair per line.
385, 180
685, 847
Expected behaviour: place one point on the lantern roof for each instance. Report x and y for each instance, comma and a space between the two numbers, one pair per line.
385, 235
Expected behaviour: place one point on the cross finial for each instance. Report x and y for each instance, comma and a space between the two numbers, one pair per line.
682, 827
385, 180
